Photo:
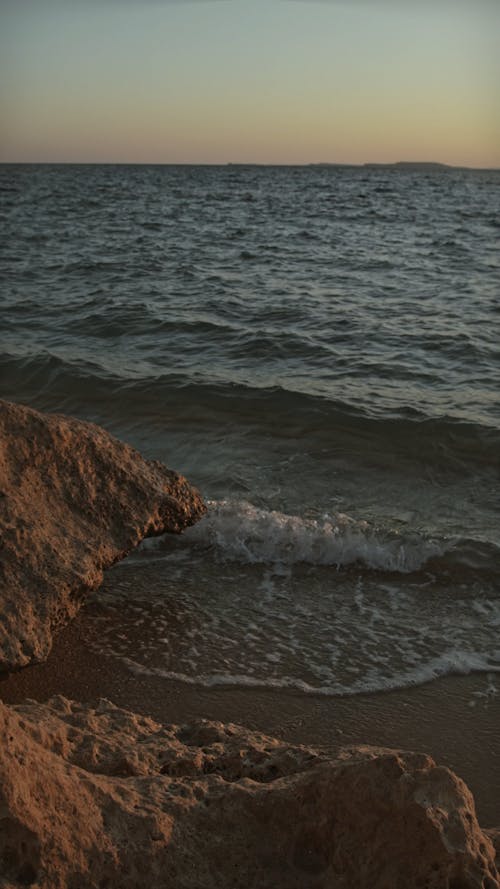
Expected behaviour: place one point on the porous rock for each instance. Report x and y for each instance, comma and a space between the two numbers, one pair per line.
96, 798
73, 500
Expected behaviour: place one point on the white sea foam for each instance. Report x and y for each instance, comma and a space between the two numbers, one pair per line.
316, 631
450, 664
239, 531
228, 603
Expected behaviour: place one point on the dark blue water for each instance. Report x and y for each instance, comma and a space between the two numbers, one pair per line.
318, 349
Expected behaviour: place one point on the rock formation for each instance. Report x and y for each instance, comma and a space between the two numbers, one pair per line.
73, 500
101, 798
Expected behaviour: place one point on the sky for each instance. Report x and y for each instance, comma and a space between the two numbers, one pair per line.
250, 81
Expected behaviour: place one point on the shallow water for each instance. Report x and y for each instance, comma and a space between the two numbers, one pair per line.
318, 349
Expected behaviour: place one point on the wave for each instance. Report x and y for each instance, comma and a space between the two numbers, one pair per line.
241, 532
134, 393
331, 606
238, 531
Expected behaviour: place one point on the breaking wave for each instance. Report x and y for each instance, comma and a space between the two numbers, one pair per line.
239, 531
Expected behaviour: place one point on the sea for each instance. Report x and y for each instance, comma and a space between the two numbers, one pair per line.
317, 349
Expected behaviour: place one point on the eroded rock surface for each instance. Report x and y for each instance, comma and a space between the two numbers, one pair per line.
104, 798
73, 500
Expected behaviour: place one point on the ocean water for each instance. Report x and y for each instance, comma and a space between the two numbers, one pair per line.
318, 350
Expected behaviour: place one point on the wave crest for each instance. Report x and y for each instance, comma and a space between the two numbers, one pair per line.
239, 531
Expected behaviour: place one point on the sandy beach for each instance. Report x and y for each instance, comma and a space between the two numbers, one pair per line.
455, 719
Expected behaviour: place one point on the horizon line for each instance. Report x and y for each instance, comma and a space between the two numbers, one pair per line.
371, 164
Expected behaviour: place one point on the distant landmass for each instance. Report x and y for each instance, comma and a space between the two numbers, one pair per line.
414, 165
403, 165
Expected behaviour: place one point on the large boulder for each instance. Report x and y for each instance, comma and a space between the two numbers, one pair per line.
96, 798
73, 500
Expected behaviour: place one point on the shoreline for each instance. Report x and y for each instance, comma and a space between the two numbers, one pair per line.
453, 718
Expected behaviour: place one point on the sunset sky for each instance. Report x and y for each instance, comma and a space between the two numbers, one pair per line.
267, 81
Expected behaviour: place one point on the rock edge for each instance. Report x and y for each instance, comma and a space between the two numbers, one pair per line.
73, 500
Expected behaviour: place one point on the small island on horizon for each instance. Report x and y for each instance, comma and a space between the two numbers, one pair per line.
370, 165
399, 165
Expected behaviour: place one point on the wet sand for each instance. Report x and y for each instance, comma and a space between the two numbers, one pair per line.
455, 719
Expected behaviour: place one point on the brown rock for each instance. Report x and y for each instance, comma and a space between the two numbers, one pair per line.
494, 836
73, 500
103, 798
